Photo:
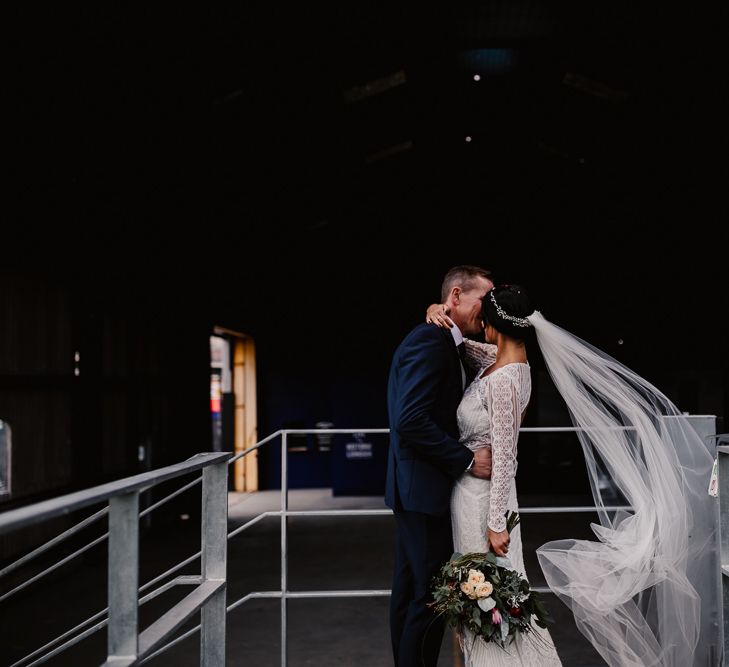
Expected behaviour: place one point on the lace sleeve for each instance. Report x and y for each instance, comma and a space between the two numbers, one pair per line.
479, 355
504, 415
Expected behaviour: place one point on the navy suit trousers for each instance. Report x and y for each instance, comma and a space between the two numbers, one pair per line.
424, 544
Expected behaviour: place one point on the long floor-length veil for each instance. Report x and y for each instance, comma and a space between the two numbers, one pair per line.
631, 591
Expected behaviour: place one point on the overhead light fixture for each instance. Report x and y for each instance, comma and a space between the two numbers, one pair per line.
488, 61
375, 87
389, 151
592, 87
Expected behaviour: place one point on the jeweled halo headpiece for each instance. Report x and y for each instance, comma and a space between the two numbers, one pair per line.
517, 321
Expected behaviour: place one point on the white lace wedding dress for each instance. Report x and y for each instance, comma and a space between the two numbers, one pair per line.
489, 415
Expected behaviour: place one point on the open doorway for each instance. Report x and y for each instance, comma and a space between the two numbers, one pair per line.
233, 409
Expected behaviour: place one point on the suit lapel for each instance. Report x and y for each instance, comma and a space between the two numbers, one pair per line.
456, 359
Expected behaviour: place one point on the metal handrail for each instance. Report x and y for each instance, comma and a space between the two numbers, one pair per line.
125, 644
48, 509
87, 633
283, 514
284, 594
52, 542
140, 481
101, 513
72, 531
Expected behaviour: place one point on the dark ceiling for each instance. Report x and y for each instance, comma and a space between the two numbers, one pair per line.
284, 159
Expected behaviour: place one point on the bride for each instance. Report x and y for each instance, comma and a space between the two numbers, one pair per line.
489, 415
633, 592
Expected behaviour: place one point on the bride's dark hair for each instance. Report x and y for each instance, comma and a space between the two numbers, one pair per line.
505, 308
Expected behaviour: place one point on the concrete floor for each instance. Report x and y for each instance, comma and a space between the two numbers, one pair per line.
325, 553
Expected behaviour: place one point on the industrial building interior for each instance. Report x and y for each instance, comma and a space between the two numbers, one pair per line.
223, 220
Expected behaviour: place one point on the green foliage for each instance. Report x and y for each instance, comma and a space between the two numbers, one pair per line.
517, 606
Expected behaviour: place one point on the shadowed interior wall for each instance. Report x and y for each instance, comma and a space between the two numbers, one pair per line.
140, 380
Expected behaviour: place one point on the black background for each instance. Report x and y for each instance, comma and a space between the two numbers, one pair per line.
211, 154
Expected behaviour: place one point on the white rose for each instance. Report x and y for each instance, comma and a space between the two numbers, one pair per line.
484, 590
475, 577
468, 589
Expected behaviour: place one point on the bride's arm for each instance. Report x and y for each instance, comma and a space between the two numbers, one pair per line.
437, 313
479, 355
503, 412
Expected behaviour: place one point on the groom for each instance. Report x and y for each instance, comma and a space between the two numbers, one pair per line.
426, 383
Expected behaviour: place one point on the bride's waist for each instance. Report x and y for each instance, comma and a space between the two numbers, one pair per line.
469, 482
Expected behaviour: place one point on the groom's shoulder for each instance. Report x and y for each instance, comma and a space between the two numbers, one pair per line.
424, 333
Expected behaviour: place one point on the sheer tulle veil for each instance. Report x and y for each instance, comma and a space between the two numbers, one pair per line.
630, 590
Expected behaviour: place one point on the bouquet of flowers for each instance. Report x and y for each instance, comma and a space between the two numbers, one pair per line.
483, 593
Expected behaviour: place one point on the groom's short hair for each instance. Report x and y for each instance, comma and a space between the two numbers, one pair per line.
462, 276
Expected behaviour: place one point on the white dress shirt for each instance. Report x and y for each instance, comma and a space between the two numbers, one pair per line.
458, 338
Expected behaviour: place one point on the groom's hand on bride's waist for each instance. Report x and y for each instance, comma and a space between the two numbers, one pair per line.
482, 463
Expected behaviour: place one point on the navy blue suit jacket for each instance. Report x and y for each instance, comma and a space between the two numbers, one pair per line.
423, 393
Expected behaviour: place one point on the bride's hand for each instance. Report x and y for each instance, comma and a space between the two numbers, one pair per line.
499, 541
437, 314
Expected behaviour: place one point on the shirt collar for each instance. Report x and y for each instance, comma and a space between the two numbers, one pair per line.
457, 335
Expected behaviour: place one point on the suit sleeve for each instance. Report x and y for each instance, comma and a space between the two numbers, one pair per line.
422, 366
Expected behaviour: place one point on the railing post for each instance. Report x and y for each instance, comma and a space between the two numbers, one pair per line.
722, 453
123, 639
284, 547
214, 562
705, 531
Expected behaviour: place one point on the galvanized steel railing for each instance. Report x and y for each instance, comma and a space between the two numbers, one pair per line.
722, 449
125, 645
213, 638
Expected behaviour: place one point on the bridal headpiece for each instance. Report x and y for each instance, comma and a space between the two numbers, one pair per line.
517, 321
